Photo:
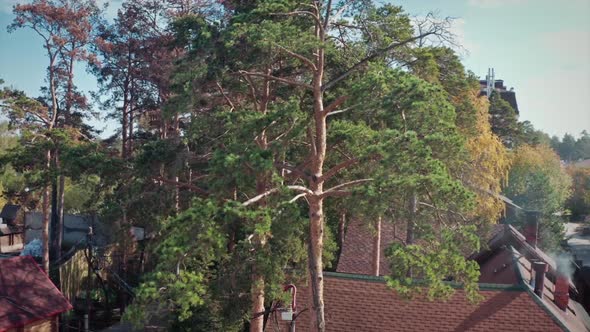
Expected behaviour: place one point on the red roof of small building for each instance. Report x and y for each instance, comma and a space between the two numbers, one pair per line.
26, 293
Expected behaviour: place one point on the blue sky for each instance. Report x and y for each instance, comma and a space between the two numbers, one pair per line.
539, 47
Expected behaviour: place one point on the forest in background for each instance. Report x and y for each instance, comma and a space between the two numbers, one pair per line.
251, 131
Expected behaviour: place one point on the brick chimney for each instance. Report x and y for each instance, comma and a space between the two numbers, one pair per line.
531, 228
562, 291
540, 270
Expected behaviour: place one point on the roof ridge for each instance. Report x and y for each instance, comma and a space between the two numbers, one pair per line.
456, 285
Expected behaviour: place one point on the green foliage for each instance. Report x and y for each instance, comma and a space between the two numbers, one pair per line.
191, 243
432, 257
11, 182
571, 149
538, 182
579, 201
504, 120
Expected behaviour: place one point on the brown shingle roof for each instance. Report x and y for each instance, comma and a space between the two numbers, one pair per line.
361, 303
505, 263
357, 251
358, 247
26, 293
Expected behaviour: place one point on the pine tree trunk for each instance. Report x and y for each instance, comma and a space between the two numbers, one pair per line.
341, 233
258, 282
130, 134
257, 288
124, 130
316, 206
315, 250
45, 209
60, 212
377, 247
413, 205
257, 321
54, 221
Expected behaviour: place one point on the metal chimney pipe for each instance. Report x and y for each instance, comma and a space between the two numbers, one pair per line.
540, 269
531, 228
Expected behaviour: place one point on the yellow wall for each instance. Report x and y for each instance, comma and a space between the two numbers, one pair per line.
45, 325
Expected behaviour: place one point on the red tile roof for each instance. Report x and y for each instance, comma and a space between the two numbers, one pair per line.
26, 293
363, 303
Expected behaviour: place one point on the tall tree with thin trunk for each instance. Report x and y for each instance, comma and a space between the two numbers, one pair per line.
65, 28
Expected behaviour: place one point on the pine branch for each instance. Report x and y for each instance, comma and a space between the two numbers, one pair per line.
274, 190
278, 79
335, 191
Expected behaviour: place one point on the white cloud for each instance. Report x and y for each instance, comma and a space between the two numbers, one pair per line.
495, 3
458, 30
557, 101
567, 49
556, 98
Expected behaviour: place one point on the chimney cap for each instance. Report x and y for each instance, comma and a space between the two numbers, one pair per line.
540, 266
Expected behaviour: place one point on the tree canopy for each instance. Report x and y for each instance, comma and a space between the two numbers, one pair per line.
251, 131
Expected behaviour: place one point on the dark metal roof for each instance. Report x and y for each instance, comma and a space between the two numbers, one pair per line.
9, 212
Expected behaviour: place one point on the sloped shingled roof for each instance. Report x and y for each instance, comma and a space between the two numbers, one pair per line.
358, 302
358, 247
357, 251
363, 303
26, 293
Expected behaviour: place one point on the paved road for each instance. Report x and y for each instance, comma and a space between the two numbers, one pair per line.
578, 239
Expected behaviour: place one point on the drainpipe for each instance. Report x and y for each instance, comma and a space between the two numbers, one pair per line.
531, 228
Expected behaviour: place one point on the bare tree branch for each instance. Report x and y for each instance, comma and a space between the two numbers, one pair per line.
292, 169
278, 79
286, 132
303, 59
188, 186
225, 96
342, 110
302, 12
274, 190
294, 199
377, 54
336, 189
444, 210
327, 15
333, 105
253, 90
334, 170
